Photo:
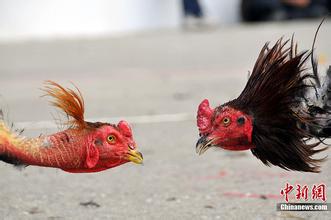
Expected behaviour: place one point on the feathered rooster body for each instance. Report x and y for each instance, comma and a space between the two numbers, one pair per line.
83, 147
273, 116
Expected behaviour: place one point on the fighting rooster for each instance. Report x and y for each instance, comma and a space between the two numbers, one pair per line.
84, 147
281, 108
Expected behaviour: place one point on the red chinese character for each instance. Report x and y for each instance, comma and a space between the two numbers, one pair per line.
288, 188
302, 192
318, 192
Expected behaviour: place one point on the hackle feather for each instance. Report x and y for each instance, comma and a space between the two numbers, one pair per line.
69, 101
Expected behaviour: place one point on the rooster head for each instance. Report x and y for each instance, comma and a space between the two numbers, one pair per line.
223, 127
111, 145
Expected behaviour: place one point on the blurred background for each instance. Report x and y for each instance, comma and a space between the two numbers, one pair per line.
40, 19
49, 19
151, 63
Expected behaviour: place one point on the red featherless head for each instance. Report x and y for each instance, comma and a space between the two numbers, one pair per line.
110, 146
225, 127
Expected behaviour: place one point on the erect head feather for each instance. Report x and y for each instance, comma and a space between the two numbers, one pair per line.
69, 101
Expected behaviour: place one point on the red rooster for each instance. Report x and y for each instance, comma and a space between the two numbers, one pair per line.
83, 147
282, 106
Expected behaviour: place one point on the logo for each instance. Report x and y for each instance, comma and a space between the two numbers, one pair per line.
315, 194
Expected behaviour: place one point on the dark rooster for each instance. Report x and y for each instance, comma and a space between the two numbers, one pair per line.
282, 115
82, 148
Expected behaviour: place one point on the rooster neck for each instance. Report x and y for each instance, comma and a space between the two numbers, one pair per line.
64, 149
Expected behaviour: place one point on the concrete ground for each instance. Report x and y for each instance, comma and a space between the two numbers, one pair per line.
163, 76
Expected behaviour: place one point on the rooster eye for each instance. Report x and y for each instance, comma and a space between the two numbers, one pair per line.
111, 138
226, 121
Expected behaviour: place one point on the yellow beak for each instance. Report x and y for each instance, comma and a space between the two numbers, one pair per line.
135, 156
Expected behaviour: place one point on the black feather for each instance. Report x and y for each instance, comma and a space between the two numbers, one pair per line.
11, 160
319, 106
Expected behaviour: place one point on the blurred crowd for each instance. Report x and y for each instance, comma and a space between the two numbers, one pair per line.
262, 10
268, 10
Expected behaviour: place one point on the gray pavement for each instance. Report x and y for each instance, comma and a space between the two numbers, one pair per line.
154, 73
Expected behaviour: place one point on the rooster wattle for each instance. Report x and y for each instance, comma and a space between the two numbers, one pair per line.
83, 147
